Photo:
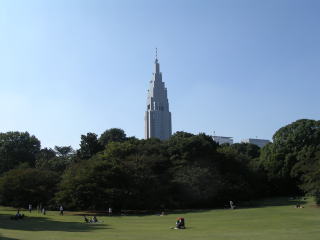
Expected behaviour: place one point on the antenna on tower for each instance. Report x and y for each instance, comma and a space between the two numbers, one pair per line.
156, 53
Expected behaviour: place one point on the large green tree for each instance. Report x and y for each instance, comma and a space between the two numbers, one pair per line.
202, 174
93, 184
308, 170
44, 158
89, 146
17, 148
125, 175
112, 135
285, 157
19, 187
55, 160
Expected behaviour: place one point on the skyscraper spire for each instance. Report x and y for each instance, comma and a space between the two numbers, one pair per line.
157, 66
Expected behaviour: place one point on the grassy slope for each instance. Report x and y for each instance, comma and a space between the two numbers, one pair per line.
269, 222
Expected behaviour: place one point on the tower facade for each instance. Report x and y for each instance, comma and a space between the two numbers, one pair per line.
157, 120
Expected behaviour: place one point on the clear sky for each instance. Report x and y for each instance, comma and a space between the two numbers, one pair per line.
237, 68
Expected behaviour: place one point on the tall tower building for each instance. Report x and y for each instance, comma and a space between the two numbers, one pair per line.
157, 120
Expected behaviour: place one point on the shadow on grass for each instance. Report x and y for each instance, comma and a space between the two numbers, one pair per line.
46, 224
6, 238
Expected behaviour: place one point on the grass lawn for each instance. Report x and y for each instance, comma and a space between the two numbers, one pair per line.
275, 219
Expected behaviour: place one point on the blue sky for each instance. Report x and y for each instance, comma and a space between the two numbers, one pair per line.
237, 68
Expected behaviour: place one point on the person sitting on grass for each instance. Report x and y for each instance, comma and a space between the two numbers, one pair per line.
180, 224
17, 216
86, 219
299, 206
94, 219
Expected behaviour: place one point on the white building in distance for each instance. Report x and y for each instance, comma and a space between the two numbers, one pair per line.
157, 120
259, 142
222, 140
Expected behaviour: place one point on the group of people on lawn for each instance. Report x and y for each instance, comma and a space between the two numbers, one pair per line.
180, 223
41, 209
94, 219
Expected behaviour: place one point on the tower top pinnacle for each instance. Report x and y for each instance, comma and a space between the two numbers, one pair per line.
156, 63
156, 55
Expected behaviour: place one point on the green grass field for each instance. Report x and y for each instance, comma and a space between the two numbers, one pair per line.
272, 219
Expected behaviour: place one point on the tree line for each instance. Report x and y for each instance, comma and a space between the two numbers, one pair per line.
186, 171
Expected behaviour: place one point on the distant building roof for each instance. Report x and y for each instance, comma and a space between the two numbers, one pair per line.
259, 142
222, 139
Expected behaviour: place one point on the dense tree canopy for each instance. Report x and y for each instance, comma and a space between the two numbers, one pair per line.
186, 171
